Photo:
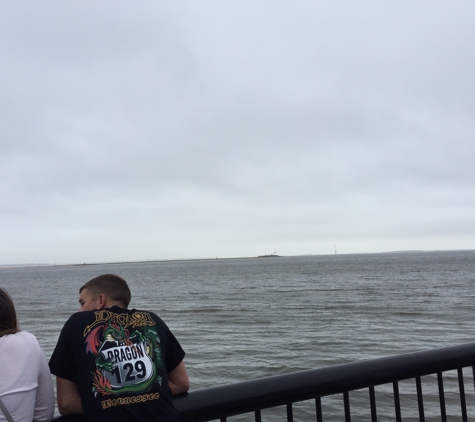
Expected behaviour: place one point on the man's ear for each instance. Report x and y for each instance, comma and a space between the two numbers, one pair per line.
102, 301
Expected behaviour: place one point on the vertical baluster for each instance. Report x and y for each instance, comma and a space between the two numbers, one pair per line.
346, 400
372, 401
462, 395
420, 400
397, 404
290, 415
257, 416
318, 408
443, 413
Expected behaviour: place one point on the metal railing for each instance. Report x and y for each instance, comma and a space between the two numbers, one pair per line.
252, 397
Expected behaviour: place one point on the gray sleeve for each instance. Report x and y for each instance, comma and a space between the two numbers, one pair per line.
44, 405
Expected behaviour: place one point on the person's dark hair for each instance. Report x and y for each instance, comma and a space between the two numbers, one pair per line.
110, 285
8, 319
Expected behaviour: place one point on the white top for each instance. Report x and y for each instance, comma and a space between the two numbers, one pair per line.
26, 386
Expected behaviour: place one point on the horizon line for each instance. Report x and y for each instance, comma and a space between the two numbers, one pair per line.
33, 265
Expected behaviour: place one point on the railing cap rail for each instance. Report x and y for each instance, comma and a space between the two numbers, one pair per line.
247, 396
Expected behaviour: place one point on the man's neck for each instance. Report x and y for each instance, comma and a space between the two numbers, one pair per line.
112, 303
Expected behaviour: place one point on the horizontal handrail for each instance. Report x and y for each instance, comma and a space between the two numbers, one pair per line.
217, 402
244, 397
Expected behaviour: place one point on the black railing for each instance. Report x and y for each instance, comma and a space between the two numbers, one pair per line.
252, 397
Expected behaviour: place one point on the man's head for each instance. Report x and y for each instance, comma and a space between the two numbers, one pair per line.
104, 291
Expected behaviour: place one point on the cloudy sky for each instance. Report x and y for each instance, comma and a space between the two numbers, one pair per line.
196, 129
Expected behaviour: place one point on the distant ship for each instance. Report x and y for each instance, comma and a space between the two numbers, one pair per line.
272, 255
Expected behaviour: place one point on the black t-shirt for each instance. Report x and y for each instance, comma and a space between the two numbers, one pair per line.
120, 359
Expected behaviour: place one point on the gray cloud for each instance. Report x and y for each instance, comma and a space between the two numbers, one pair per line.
185, 129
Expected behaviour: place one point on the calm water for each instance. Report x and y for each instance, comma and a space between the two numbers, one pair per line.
241, 319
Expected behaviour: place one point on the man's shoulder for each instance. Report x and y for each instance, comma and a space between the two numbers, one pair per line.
79, 319
134, 311
81, 316
147, 318
114, 315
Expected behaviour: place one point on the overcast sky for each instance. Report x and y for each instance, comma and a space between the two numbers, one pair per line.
201, 129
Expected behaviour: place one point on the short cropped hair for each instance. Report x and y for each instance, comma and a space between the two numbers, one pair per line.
8, 319
110, 285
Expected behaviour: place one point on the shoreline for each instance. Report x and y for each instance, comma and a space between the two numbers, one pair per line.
39, 265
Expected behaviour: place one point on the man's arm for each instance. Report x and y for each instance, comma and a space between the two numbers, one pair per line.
178, 379
69, 400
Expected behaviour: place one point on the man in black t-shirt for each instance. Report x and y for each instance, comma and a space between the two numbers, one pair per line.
116, 364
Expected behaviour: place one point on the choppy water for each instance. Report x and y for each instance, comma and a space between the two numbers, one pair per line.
241, 319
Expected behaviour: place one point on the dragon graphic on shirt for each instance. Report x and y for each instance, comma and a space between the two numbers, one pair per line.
126, 361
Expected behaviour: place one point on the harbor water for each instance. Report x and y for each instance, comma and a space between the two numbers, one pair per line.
247, 318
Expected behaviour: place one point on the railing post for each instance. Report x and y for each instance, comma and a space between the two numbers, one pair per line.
290, 414
420, 400
462, 395
318, 407
372, 401
443, 414
346, 400
397, 404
